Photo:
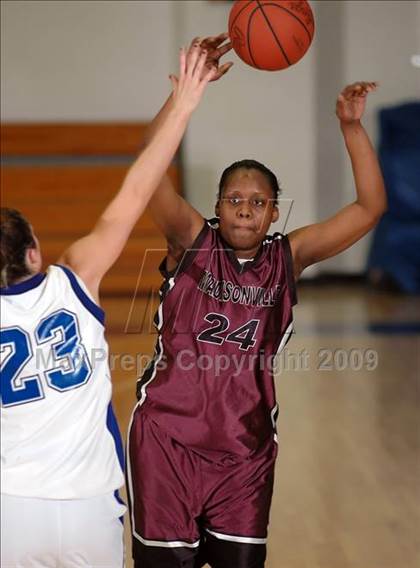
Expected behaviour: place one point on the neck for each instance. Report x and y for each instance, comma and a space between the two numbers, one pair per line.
24, 278
246, 253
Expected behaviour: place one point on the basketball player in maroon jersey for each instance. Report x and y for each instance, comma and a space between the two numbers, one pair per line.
202, 442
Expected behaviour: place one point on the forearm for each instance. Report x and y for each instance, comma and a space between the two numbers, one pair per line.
366, 170
175, 217
145, 174
159, 118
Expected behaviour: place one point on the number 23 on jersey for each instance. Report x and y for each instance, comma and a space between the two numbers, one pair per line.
67, 366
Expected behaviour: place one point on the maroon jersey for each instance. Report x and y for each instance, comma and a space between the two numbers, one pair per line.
220, 323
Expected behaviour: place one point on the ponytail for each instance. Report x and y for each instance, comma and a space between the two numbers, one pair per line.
15, 239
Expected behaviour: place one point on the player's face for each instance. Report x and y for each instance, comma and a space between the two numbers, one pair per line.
246, 210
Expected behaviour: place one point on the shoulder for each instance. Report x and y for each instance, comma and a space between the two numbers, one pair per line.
286, 244
179, 258
79, 288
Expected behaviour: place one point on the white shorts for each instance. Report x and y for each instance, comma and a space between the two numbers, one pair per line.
50, 533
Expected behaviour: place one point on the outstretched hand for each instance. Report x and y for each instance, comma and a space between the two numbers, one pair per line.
189, 86
351, 101
216, 48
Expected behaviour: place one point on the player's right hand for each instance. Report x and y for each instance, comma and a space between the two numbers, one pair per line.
194, 76
351, 101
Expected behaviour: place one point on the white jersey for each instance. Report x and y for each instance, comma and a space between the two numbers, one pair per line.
59, 438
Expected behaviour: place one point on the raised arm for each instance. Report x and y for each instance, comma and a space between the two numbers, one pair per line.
322, 240
175, 217
91, 256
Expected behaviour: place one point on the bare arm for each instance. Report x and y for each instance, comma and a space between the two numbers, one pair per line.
175, 217
91, 256
319, 241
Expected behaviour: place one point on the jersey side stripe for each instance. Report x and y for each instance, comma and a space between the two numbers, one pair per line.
167, 544
93, 308
112, 425
274, 413
241, 539
130, 492
286, 336
291, 284
150, 373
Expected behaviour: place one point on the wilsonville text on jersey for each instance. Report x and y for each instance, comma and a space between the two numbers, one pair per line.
227, 291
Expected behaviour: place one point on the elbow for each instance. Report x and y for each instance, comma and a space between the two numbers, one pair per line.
382, 206
374, 213
375, 216
382, 209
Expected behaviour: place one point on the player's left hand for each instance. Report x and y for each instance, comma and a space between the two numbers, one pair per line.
215, 47
351, 101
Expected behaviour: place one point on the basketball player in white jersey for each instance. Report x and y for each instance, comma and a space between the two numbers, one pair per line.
61, 455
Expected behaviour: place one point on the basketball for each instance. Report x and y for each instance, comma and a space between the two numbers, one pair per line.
271, 34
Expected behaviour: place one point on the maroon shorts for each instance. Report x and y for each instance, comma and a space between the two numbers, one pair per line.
186, 510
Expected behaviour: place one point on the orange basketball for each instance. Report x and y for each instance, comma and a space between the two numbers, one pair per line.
271, 34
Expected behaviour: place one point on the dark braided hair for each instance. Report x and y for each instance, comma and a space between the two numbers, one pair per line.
15, 239
250, 165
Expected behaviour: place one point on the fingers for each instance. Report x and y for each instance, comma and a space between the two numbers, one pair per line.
192, 63
198, 70
213, 45
359, 89
221, 37
212, 42
215, 50
361, 85
194, 49
195, 41
193, 56
222, 70
182, 63
220, 51
211, 75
